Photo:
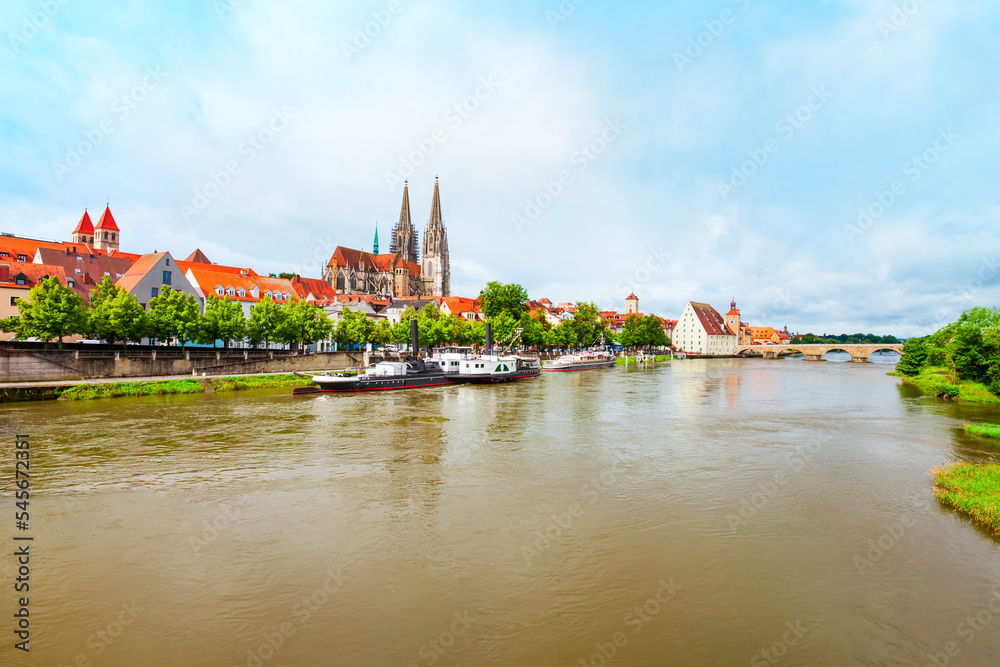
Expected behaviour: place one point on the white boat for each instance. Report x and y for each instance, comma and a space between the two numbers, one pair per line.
580, 361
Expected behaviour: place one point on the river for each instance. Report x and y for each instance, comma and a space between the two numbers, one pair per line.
705, 512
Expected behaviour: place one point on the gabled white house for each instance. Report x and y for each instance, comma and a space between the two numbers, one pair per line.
702, 330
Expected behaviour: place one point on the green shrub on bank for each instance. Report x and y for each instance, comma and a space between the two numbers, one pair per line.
85, 392
984, 430
942, 383
973, 490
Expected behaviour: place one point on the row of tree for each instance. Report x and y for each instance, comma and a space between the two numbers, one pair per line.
53, 311
969, 349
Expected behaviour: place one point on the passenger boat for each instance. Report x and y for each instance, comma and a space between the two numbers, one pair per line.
382, 376
470, 367
580, 361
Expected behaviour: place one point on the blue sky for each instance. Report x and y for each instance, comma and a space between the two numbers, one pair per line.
681, 150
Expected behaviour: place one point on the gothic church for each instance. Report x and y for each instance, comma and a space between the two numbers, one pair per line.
400, 273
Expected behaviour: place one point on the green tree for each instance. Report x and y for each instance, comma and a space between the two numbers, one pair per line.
401, 330
914, 357
118, 317
223, 320
973, 346
382, 334
500, 297
51, 311
302, 323
265, 319
656, 335
634, 332
174, 315
354, 328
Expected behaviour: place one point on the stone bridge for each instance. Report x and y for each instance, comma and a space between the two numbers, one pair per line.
815, 352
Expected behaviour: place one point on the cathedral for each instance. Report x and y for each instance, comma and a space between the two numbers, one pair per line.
400, 273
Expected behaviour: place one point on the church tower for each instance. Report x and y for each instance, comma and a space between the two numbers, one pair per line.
404, 237
632, 304
107, 236
84, 232
375, 246
436, 269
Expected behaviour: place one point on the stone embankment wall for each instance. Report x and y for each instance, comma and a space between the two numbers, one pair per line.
34, 365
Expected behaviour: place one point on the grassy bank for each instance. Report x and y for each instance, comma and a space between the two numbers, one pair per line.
940, 382
621, 360
85, 392
972, 490
983, 430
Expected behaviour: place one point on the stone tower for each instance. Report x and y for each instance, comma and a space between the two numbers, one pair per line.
733, 318
84, 232
107, 236
632, 304
404, 237
436, 269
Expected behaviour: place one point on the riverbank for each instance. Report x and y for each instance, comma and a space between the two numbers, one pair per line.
631, 360
972, 490
148, 387
983, 430
939, 382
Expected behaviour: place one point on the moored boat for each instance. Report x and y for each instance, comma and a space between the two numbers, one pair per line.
580, 361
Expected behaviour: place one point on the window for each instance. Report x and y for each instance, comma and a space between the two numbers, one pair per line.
22, 258
168, 259
231, 291
13, 301
113, 238
166, 277
4, 255
242, 292
155, 292
79, 259
70, 283
119, 275
78, 270
220, 290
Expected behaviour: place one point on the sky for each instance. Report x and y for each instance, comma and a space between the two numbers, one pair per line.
831, 164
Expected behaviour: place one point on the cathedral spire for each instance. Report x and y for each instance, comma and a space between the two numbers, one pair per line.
404, 237
375, 247
436, 221
404, 212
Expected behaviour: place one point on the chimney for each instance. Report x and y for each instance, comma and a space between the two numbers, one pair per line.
489, 337
415, 337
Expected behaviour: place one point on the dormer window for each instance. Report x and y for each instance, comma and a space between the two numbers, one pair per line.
79, 259
220, 290
231, 291
22, 258
242, 292
78, 270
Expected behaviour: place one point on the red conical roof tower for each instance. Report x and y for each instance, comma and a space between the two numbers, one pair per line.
107, 236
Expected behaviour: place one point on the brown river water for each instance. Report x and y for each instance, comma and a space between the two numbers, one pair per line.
709, 512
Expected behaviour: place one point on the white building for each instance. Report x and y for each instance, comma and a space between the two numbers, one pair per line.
701, 330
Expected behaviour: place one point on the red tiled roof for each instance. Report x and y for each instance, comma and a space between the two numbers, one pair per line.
632, 297
198, 257
459, 304
320, 289
92, 267
210, 276
710, 319
107, 221
85, 226
33, 274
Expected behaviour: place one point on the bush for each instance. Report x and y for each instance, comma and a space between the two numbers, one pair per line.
914, 357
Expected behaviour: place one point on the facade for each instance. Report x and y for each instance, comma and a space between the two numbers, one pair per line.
632, 304
702, 330
151, 273
467, 309
244, 286
395, 309
398, 274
